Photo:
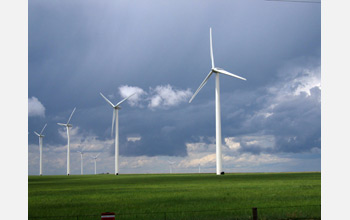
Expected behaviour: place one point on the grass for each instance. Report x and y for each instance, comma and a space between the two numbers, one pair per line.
277, 195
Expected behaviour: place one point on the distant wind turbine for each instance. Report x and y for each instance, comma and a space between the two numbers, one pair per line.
199, 168
115, 118
171, 163
95, 157
41, 136
81, 162
217, 71
67, 125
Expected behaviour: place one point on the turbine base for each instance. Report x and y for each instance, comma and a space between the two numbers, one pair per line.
222, 173
116, 174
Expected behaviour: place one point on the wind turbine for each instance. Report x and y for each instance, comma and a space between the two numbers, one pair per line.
41, 136
171, 165
95, 157
217, 71
115, 118
199, 168
68, 149
81, 162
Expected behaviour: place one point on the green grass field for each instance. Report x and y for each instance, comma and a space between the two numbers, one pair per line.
177, 196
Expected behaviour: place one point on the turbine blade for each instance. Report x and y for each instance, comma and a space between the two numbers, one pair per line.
211, 51
43, 129
70, 117
109, 102
37, 133
62, 124
97, 155
124, 99
113, 119
230, 74
201, 86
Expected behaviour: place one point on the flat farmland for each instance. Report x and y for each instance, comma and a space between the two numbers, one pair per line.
176, 196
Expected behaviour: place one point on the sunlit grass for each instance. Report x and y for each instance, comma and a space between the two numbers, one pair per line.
94, 194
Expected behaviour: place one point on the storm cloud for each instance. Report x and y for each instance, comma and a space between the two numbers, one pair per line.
160, 51
35, 107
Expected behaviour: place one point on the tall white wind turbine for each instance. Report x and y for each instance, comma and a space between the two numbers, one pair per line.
217, 71
115, 118
41, 136
81, 162
95, 157
67, 125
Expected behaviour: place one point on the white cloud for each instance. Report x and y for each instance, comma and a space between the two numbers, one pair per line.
311, 78
207, 160
35, 108
298, 80
232, 144
205, 153
158, 97
134, 100
155, 101
167, 96
260, 141
134, 138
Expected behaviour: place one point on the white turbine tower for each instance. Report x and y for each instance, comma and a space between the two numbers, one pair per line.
95, 157
115, 118
199, 168
68, 149
171, 163
217, 71
81, 162
41, 136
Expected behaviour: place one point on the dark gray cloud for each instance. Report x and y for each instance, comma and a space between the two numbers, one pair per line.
78, 49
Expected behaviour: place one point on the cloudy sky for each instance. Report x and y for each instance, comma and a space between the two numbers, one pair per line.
160, 50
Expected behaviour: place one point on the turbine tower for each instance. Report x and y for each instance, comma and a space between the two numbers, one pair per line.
115, 118
68, 149
217, 71
95, 157
41, 136
171, 163
81, 162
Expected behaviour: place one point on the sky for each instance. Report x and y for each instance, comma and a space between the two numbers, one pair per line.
160, 51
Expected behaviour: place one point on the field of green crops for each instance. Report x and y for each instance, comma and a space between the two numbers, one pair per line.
176, 196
